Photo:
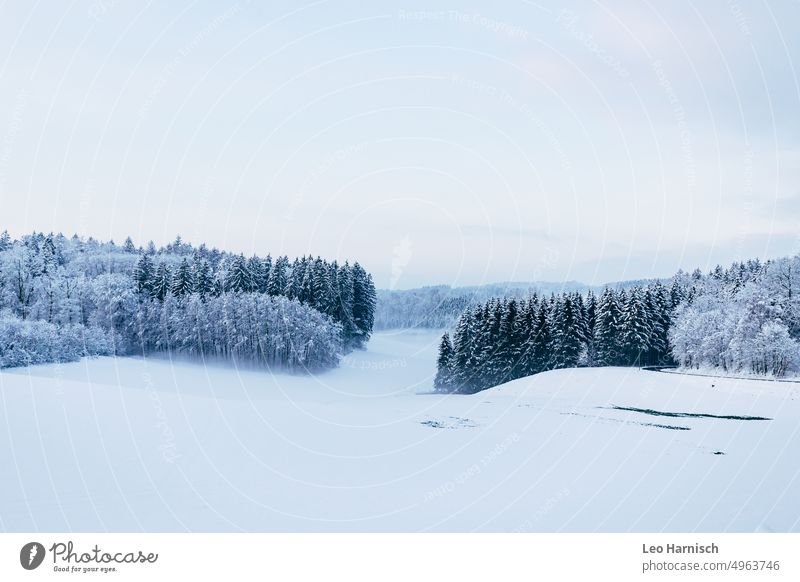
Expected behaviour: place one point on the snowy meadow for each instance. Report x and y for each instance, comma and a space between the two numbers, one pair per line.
133, 444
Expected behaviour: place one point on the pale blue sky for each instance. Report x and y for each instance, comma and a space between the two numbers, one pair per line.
444, 142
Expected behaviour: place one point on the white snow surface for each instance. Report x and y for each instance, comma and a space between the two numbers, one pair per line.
129, 444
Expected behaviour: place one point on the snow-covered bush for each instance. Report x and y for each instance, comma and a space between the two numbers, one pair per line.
23, 343
774, 351
26, 342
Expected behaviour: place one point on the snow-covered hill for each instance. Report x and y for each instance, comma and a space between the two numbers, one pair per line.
128, 444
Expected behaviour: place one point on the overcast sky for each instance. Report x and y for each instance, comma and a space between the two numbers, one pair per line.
445, 142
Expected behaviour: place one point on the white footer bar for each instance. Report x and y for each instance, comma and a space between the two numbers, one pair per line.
407, 557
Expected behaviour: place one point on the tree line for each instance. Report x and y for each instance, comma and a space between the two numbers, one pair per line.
439, 306
344, 293
505, 339
743, 319
63, 298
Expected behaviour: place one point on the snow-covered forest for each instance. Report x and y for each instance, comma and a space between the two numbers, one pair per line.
743, 319
64, 298
506, 339
429, 307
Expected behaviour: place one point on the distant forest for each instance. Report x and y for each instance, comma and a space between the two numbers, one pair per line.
744, 319
63, 298
437, 307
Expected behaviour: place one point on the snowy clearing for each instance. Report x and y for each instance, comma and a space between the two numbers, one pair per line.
129, 444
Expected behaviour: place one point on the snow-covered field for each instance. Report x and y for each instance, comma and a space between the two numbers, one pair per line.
131, 444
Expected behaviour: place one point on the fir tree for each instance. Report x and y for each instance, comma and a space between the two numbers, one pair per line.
203, 278
464, 356
607, 329
364, 300
591, 324
305, 293
542, 341
278, 278
636, 329
509, 343
258, 277
524, 333
266, 272
183, 282
662, 314
294, 284
48, 255
343, 312
567, 340
321, 287
238, 278
143, 275
443, 380
488, 368
162, 282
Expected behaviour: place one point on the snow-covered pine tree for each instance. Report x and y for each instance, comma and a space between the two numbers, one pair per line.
144, 275
443, 380
567, 333
608, 329
48, 256
266, 273
333, 288
666, 313
509, 343
183, 281
294, 284
524, 335
364, 300
555, 325
488, 367
202, 277
344, 304
541, 341
591, 323
278, 277
655, 302
636, 328
162, 282
220, 274
321, 287
464, 356
306, 293
178, 247
677, 292
238, 279
258, 281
